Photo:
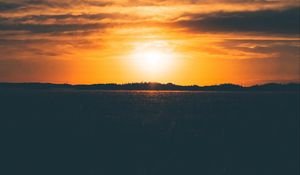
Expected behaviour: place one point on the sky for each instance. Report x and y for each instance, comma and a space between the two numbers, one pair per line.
185, 42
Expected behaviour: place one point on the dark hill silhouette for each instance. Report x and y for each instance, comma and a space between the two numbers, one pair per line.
154, 86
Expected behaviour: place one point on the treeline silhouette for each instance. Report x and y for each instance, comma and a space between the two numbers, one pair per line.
155, 86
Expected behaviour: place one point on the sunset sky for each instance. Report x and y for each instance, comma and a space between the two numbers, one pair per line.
185, 42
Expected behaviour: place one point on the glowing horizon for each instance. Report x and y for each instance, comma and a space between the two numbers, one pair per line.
120, 41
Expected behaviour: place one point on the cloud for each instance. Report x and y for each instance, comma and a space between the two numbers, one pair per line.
50, 28
4, 6
15, 4
40, 19
29, 5
284, 48
263, 21
68, 3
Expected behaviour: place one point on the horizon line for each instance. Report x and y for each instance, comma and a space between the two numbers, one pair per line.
150, 82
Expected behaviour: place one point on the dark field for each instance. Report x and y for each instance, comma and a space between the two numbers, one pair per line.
149, 133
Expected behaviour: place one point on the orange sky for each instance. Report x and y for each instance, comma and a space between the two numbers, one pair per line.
120, 41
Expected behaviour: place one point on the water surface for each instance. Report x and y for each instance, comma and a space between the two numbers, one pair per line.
149, 132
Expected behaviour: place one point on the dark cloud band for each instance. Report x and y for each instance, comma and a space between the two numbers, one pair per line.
265, 21
49, 28
9, 6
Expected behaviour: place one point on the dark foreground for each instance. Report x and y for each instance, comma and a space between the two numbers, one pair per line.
149, 133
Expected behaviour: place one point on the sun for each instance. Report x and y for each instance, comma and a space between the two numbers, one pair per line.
153, 61
153, 58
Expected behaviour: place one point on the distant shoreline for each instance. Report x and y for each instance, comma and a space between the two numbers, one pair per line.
153, 86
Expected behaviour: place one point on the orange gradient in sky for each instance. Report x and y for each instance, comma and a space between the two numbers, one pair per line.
174, 57
121, 41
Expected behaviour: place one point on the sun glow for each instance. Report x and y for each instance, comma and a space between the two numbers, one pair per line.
154, 57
